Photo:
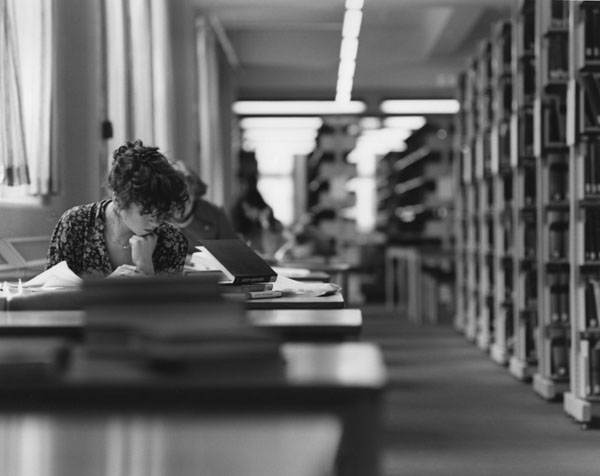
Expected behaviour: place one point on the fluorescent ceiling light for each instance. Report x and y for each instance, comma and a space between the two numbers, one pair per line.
354, 4
352, 21
292, 108
281, 123
346, 69
349, 49
404, 122
420, 106
343, 95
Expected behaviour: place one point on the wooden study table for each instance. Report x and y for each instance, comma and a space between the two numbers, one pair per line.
72, 299
309, 324
336, 301
289, 324
344, 381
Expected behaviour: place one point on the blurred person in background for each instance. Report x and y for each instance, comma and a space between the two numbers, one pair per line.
200, 218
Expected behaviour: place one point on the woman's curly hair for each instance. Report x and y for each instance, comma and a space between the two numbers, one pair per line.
143, 176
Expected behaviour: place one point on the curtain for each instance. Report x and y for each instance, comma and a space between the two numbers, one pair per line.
139, 72
209, 112
26, 91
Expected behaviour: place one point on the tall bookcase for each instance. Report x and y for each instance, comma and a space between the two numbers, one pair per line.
553, 217
582, 400
525, 271
528, 162
470, 201
485, 203
461, 215
502, 184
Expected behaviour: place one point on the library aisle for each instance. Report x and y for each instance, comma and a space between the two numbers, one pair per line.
450, 410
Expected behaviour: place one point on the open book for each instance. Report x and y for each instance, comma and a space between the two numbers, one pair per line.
239, 263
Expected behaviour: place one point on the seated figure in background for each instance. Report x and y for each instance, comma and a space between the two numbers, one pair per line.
129, 234
254, 219
200, 218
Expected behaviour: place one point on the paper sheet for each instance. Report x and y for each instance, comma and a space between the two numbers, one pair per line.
59, 276
291, 287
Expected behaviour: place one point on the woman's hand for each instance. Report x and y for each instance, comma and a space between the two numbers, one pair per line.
126, 270
142, 248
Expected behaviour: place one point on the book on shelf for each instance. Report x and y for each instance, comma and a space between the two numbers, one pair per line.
594, 369
591, 86
591, 309
591, 25
558, 57
559, 357
239, 263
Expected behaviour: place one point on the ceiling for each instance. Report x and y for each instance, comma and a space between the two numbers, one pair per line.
289, 49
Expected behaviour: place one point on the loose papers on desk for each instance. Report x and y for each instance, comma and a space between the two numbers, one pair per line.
58, 276
291, 287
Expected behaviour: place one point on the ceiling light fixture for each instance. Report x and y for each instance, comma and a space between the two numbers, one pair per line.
297, 108
348, 50
420, 106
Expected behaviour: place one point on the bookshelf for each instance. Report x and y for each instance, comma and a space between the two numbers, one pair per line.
485, 203
503, 177
551, 377
327, 173
412, 193
525, 271
468, 217
461, 216
526, 161
582, 400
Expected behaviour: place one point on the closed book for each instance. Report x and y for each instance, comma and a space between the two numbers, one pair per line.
247, 288
238, 262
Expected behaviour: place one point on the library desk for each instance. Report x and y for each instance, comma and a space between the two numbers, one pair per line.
309, 324
72, 299
335, 301
68, 323
72, 422
289, 324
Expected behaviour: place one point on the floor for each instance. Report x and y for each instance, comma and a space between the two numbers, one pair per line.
450, 410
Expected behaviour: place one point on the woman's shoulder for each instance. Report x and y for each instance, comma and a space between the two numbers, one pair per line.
83, 212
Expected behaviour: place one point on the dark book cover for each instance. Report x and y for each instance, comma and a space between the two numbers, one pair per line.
247, 288
592, 94
242, 262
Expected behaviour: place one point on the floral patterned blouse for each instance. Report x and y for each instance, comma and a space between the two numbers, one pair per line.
78, 239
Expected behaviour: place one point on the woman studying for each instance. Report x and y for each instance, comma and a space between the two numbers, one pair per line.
128, 235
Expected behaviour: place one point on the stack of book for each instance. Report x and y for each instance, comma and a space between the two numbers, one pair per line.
166, 322
242, 271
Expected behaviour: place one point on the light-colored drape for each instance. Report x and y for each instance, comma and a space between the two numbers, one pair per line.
139, 72
26, 94
209, 112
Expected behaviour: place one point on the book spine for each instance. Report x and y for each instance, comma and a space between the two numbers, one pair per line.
263, 294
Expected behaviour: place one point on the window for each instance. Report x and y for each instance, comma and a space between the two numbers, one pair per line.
25, 86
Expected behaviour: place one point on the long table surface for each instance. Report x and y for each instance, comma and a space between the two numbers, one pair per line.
335, 301
345, 380
291, 324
